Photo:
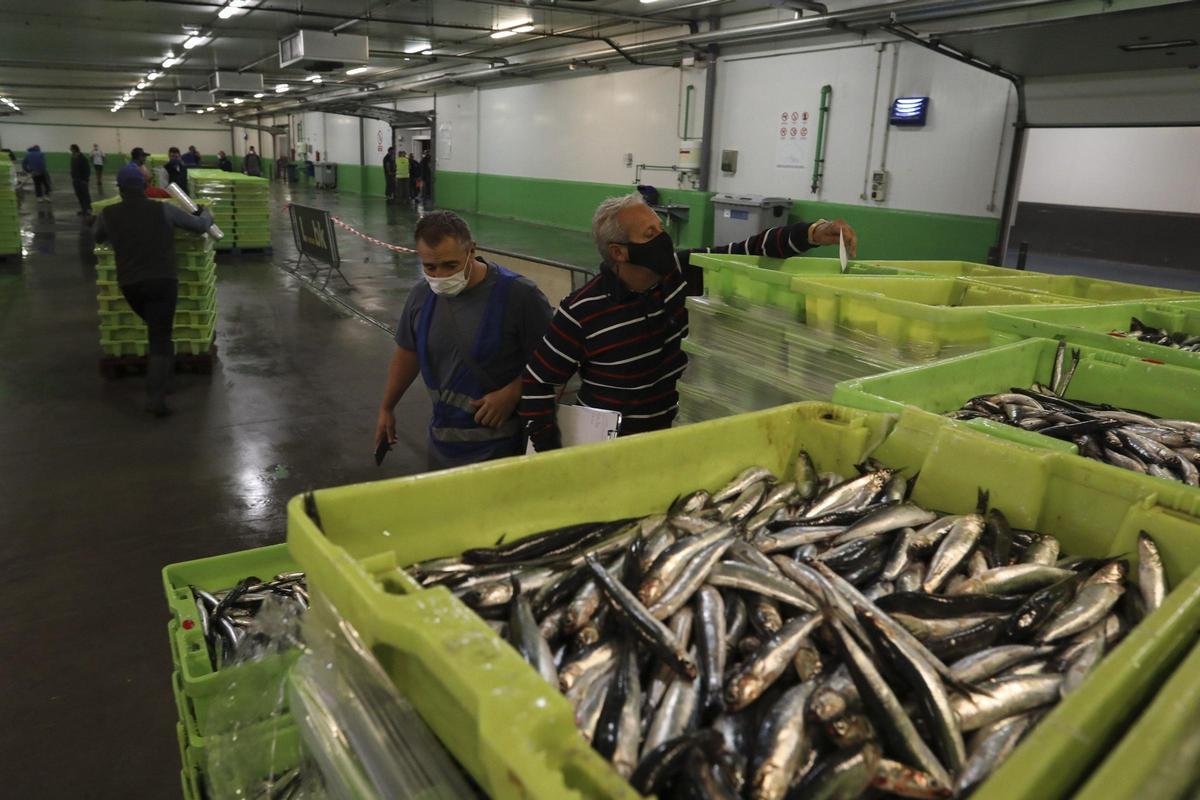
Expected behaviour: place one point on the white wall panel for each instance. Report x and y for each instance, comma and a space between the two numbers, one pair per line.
458, 133
341, 139
313, 138
1162, 97
1145, 169
375, 141
55, 130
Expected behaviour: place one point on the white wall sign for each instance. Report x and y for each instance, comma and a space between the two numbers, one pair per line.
791, 139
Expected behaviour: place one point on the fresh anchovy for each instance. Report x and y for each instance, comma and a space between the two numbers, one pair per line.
887, 519
805, 475
674, 714
690, 504
608, 724
911, 578
582, 606
1017, 578
999, 699
926, 629
681, 629
572, 538
843, 774
953, 646
709, 622
781, 494
988, 663
1056, 373
526, 637
952, 606
690, 579
733, 575
629, 731
849, 496
993, 744
796, 536
1096, 597
745, 504
662, 763
901, 780
585, 661
754, 676
953, 550
1152, 579
1081, 665
748, 477
807, 662
634, 616
691, 524
764, 516
736, 618
783, 744
668, 566
749, 554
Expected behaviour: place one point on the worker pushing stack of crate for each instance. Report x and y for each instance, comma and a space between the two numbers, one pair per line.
123, 335
10, 228
239, 206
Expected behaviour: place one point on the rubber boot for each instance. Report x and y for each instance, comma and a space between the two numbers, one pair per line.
158, 370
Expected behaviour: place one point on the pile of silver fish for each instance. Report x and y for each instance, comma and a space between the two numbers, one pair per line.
1126, 438
1146, 333
228, 616
822, 637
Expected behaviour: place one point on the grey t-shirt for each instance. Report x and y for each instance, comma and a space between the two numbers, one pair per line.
526, 318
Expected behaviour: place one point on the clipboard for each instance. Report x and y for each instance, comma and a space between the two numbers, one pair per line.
582, 425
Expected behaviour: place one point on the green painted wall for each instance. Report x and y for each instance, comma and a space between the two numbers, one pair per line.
350, 178
883, 232
372, 182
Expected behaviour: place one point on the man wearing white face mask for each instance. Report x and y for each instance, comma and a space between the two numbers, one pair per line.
468, 331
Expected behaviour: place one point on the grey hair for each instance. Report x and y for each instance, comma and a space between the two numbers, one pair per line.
606, 228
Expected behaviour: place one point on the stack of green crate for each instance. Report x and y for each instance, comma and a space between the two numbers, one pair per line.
10, 229
122, 332
239, 204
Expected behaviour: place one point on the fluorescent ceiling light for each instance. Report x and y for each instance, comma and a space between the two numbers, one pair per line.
211, 108
237, 101
223, 104
281, 87
523, 29
170, 61
416, 48
356, 71
1138, 46
199, 110
153, 76
195, 41
142, 84
258, 94
133, 92
503, 34
314, 79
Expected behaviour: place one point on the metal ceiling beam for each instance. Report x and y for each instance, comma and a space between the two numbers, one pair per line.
274, 130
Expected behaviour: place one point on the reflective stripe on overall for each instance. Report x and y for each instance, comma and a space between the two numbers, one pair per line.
453, 429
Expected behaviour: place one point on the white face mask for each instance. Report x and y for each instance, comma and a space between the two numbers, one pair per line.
451, 285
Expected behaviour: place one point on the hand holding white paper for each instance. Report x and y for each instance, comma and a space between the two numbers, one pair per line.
182, 197
842, 249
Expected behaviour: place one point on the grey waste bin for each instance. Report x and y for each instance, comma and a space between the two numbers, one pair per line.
740, 216
326, 175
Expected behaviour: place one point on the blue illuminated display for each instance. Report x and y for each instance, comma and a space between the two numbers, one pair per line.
909, 111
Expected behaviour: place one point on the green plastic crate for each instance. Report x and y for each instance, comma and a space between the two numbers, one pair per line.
183, 316
258, 682
917, 317
141, 348
1159, 757
950, 269
1093, 326
1092, 290
758, 280
203, 272
933, 390
515, 734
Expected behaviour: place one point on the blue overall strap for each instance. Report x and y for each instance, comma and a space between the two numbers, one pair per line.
453, 430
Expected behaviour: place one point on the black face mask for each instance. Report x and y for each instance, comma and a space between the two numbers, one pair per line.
656, 255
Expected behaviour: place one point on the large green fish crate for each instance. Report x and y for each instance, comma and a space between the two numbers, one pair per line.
948, 269
916, 317
1090, 290
1159, 757
515, 734
1099, 326
758, 280
933, 390
257, 684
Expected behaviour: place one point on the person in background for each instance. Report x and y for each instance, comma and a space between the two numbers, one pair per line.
35, 164
401, 189
252, 163
468, 331
81, 171
98, 165
137, 157
192, 157
176, 169
621, 331
143, 239
281, 168
415, 178
223, 162
426, 176
389, 174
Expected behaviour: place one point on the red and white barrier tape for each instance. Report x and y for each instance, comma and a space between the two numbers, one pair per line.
395, 248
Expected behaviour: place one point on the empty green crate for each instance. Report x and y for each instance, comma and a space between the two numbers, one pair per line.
516, 735
185, 320
934, 390
1092, 290
140, 347
1099, 326
918, 317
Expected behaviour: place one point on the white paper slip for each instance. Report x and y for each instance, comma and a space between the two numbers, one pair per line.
583, 425
842, 249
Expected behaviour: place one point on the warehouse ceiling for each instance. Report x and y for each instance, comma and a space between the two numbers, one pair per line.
91, 53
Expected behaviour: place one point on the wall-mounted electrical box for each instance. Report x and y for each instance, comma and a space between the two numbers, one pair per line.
879, 182
729, 161
629, 159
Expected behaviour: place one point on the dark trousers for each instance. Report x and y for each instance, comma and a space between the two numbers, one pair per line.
154, 301
402, 190
41, 184
84, 195
99, 171
389, 186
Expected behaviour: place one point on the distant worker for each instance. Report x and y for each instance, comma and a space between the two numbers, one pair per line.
402, 177
467, 330
137, 157
281, 168
223, 162
98, 165
176, 169
621, 331
191, 158
81, 171
426, 176
389, 174
414, 178
143, 239
35, 164
252, 163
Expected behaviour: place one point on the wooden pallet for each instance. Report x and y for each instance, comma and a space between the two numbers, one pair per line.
113, 367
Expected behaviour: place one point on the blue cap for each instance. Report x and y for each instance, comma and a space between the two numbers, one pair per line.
130, 177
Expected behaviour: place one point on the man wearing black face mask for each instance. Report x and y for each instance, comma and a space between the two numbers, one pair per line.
622, 330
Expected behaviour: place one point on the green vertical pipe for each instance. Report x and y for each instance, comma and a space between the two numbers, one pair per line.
819, 162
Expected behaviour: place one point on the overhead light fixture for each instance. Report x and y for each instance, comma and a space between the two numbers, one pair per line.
523, 29
314, 79
281, 87
195, 40
199, 110
234, 7
258, 95
142, 85
512, 29
237, 101
223, 104
417, 47
211, 108
357, 71
170, 61
1138, 46
133, 92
